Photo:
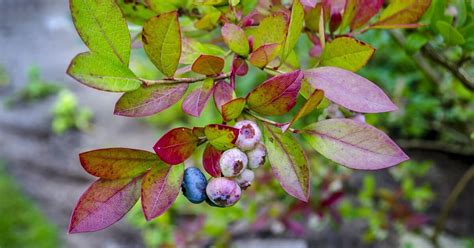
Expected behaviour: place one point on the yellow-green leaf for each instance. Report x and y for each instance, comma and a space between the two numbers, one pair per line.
102, 28
272, 29
222, 137
236, 39
402, 14
162, 42
346, 53
233, 109
294, 28
102, 73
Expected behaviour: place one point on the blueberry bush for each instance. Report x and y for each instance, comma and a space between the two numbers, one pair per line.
203, 49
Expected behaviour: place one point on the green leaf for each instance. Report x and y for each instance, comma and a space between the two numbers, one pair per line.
272, 29
233, 109
415, 42
208, 65
136, 12
160, 188
149, 100
289, 164
346, 53
450, 34
222, 137
294, 28
192, 49
402, 14
102, 28
162, 42
116, 163
102, 73
236, 39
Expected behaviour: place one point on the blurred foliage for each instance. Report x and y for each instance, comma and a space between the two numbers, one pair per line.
21, 223
4, 78
34, 90
67, 114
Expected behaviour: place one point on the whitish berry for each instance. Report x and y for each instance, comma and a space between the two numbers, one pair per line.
245, 179
194, 185
223, 192
233, 162
249, 135
257, 156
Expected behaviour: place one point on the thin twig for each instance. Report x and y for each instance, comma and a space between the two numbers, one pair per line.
453, 197
274, 123
437, 146
182, 80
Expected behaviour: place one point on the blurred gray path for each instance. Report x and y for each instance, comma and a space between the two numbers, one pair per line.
39, 32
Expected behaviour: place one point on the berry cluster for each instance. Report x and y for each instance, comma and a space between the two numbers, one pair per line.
236, 166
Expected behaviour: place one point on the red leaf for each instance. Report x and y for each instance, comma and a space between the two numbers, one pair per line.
176, 145
198, 98
208, 65
364, 10
116, 163
223, 93
160, 188
277, 95
239, 66
104, 203
210, 160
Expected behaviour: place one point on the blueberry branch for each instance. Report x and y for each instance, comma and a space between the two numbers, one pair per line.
147, 82
274, 123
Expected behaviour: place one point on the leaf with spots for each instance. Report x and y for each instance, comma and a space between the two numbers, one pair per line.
289, 164
149, 100
104, 203
99, 72
277, 95
176, 145
208, 65
102, 28
210, 160
349, 90
354, 144
162, 42
222, 137
117, 163
346, 53
195, 102
160, 188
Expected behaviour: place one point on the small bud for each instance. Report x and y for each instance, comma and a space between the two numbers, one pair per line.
223, 192
249, 135
245, 179
257, 156
233, 162
194, 185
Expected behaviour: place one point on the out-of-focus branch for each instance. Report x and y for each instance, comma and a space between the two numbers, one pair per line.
452, 198
437, 146
456, 70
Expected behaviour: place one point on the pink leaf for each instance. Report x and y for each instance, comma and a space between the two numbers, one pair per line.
349, 90
309, 3
104, 203
198, 98
149, 100
354, 144
223, 93
160, 188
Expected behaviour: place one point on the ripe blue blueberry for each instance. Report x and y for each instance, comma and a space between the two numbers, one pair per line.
194, 185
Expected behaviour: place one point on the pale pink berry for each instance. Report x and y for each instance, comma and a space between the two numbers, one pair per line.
249, 135
223, 192
233, 162
245, 179
257, 156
